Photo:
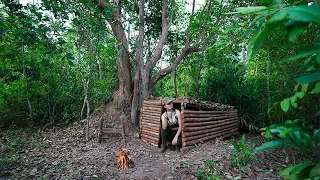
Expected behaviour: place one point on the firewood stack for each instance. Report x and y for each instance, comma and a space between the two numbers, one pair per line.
201, 121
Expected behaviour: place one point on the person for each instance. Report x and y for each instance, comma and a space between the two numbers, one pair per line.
170, 125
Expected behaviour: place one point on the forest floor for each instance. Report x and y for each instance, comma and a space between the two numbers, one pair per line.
62, 153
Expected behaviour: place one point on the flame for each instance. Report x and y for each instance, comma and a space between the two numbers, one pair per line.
124, 160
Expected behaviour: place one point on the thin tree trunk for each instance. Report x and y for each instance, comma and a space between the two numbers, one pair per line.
175, 89
185, 84
268, 88
198, 80
27, 90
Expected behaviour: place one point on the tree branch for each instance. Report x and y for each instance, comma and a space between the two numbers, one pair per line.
163, 37
162, 73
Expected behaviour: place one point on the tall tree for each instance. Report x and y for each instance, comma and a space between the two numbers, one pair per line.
144, 71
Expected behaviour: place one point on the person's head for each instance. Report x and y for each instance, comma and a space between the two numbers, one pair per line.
168, 103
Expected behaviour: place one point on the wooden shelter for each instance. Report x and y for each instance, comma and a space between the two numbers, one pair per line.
201, 121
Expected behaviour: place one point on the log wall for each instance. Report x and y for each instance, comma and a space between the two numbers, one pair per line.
197, 126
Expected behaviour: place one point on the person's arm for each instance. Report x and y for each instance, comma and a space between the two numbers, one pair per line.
175, 139
164, 121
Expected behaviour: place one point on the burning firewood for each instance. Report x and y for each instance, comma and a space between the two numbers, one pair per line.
124, 160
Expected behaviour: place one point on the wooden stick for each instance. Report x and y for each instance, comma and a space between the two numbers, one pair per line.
216, 124
226, 130
206, 115
203, 120
186, 143
205, 112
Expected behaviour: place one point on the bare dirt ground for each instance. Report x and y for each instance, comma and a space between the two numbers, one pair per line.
62, 153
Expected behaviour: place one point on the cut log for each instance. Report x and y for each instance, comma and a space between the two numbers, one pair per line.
194, 133
151, 108
207, 115
200, 121
155, 103
207, 123
145, 124
150, 129
230, 133
225, 131
156, 134
153, 113
217, 124
153, 116
206, 112
154, 120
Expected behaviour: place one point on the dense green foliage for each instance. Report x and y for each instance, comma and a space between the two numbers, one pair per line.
43, 60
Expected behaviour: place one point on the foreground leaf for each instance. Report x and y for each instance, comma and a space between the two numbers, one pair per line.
268, 146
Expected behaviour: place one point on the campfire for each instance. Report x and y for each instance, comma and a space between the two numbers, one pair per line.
124, 160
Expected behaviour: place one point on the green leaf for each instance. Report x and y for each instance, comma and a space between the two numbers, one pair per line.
299, 94
315, 171
316, 89
284, 173
311, 68
308, 78
304, 53
235, 145
304, 87
268, 146
293, 100
316, 133
251, 9
299, 167
285, 104
304, 13
295, 29
242, 140
318, 59
307, 61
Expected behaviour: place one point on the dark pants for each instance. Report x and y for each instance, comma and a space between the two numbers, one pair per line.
168, 135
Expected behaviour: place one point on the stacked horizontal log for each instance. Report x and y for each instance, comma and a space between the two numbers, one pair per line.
150, 121
200, 126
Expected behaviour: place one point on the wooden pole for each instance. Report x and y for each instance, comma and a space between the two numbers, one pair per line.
226, 130
205, 112
205, 121
186, 143
217, 123
194, 133
207, 115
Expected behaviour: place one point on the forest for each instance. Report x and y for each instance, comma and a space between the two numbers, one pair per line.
67, 65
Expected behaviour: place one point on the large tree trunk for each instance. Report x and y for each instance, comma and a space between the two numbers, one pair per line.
122, 97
